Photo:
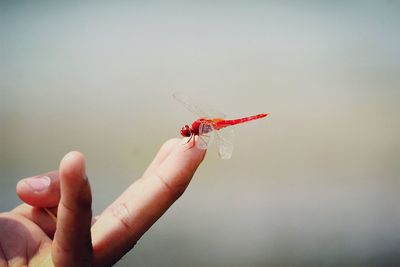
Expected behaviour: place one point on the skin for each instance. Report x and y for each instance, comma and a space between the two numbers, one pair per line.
29, 236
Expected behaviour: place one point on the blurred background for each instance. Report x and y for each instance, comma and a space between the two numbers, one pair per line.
315, 184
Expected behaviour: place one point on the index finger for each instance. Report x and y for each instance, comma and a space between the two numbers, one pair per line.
120, 226
72, 241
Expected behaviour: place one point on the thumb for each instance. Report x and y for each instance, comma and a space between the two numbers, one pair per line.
42, 191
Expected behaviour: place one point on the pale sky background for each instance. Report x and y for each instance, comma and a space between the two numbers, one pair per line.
315, 184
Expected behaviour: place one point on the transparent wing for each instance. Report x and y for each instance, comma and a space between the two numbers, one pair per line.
223, 138
199, 110
224, 142
205, 131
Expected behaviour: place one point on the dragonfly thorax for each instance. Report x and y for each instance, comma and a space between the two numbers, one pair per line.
186, 131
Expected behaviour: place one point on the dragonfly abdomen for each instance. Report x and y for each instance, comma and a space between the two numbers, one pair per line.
226, 123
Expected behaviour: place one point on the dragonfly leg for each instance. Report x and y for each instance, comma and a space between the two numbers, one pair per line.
194, 141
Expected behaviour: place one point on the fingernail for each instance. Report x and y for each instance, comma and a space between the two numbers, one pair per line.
38, 184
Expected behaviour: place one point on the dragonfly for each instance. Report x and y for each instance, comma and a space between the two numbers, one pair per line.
211, 125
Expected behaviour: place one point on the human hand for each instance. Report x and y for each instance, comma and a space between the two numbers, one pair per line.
30, 236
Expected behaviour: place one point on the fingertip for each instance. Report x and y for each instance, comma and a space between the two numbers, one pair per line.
169, 146
73, 157
162, 154
188, 149
178, 169
39, 191
73, 165
74, 184
22, 187
23, 191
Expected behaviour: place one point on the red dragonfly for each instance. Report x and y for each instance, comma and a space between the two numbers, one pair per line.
211, 123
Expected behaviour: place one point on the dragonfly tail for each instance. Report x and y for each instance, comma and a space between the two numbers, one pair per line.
226, 123
246, 119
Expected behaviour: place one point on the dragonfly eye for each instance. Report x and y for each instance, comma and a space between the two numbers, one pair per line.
185, 131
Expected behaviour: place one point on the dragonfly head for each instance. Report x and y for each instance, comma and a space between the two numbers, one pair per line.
185, 131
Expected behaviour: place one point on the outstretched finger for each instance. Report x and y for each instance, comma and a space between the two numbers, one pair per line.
72, 241
162, 154
132, 214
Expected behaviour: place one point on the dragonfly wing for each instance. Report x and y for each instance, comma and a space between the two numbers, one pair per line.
199, 110
204, 135
202, 142
224, 142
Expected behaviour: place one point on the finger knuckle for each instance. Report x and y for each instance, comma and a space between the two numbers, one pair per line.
121, 213
175, 190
